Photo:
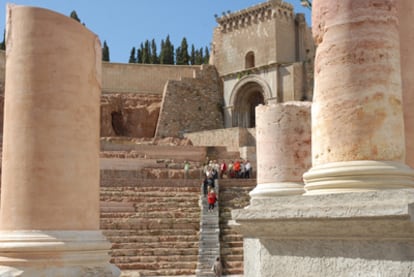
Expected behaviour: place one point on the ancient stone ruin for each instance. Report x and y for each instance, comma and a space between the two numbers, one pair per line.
332, 186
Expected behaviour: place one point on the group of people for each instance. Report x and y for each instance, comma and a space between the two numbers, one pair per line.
235, 169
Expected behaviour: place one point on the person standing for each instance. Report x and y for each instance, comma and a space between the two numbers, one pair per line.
223, 169
211, 199
186, 169
217, 267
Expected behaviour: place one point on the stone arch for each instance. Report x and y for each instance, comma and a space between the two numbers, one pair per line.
248, 93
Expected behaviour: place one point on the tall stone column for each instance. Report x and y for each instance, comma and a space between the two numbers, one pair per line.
406, 27
49, 216
357, 147
283, 148
357, 118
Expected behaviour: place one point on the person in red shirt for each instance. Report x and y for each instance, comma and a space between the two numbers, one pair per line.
236, 168
211, 199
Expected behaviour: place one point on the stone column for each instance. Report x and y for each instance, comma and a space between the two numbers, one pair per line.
357, 119
49, 217
406, 26
283, 147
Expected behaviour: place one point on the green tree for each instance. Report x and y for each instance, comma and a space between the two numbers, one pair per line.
154, 58
206, 55
132, 58
105, 52
199, 56
167, 52
182, 56
139, 54
3, 43
192, 55
146, 52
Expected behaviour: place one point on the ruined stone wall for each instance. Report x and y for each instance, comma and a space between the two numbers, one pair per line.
142, 78
129, 114
191, 105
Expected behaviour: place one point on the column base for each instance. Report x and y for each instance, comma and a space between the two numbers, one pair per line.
277, 189
55, 253
352, 176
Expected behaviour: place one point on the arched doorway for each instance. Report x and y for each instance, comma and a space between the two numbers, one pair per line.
248, 97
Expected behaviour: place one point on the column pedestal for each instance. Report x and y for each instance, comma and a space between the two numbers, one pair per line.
345, 234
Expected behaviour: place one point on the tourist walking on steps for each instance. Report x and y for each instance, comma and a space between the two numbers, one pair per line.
217, 268
211, 199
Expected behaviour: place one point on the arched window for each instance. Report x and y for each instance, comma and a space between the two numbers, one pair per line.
249, 60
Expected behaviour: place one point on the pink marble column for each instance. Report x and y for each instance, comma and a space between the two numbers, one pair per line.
406, 27
49, 216
283, 148
357, 119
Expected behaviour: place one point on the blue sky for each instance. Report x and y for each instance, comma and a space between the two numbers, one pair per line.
124, 24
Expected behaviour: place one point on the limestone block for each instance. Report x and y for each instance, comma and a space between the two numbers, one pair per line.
347, 234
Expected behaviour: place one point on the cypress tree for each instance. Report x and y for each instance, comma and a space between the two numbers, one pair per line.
199, 56
139, 54
182, 56
105, 52
3, 43
132, 58
154, 58
146, 53
167, 52
206, 56
192, 55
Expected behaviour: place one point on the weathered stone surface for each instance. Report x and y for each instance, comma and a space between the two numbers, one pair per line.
349, 234
406, 27
129, 115
357, 105
191, 105
283, 147
49, 216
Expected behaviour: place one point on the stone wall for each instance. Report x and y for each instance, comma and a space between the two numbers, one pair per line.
142, 78
232, 138
191, 105
129, 114
232, 41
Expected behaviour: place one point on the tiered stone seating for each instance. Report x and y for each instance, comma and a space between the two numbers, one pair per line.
153, 227
234, 194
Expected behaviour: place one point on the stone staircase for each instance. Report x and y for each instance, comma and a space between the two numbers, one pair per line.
154, 230
209, 238
234, 194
